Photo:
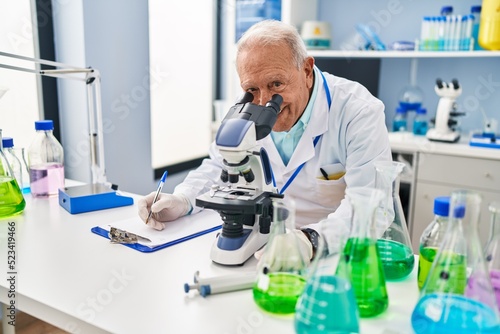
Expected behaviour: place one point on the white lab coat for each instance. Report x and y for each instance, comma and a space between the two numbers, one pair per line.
353, 136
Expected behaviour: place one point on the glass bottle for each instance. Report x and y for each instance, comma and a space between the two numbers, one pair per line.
281, 270
492, 249
475, 13
327, 304
394, 245
360, 256
432, 237
420, 125
457, 296
399, 123
46, 161
410, 98
11, 198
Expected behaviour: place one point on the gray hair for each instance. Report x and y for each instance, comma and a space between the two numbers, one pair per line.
272, 32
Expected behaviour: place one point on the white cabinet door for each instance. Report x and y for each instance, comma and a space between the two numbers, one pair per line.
182, 39
424, 204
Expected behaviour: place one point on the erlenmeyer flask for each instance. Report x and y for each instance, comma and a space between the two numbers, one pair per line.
445, 304
281, 270
20, 152
394, 245
361, 258
327, 304
11, 198
492, 249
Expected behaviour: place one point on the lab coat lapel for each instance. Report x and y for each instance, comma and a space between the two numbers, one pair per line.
274, 156
318, 124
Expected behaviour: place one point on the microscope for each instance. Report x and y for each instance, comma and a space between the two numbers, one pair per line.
245, 201
446, 110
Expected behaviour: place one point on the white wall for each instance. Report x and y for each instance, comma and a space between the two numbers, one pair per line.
112, 38
72, 95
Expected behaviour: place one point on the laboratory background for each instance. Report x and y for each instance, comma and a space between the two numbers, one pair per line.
163, 69
167, 78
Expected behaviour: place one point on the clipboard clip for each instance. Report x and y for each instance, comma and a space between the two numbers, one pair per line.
117, 236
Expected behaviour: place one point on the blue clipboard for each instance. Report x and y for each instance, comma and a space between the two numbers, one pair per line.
145, 249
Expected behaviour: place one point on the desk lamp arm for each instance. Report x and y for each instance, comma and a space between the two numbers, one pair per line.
92, 79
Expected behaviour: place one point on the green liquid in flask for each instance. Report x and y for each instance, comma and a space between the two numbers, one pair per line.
397, 259
281, 295
425, 258
449, 275
11, 199
367, 276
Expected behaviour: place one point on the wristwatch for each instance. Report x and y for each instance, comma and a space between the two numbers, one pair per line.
313, 237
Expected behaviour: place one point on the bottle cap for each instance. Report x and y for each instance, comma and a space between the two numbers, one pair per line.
7, 142
442, 206
400, 110
446, 10
475, 9
459, 211
44, 125
422, 111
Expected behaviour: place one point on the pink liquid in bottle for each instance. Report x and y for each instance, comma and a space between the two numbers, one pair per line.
46, 180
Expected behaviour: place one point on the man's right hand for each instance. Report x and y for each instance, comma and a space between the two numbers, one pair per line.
167, 207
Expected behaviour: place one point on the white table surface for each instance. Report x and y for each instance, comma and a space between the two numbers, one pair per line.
80, 282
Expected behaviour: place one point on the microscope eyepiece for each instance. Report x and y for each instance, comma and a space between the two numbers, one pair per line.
439, 83
275, 102
455, 84
246, 98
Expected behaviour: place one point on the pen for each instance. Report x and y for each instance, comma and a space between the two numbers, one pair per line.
325, 175
158, 191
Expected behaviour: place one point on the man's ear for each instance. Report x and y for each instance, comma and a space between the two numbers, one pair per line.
308, 69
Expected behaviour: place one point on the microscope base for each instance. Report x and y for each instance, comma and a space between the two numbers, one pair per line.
235, 257
447, 137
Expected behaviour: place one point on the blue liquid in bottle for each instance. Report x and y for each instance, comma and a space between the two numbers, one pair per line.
420, 127
420, 122
399, 123
439, 313
327, 306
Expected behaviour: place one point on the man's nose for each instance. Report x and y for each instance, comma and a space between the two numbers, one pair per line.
264, 97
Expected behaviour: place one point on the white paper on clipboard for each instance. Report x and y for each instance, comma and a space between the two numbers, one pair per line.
174, 231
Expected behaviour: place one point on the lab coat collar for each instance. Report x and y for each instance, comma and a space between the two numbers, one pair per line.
318, 124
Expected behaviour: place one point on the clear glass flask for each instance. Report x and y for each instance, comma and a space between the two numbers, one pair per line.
282, 268
394, 245
360, 255
11, 198
20, 152
492, 249
327, 304
12, 159
457, 296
